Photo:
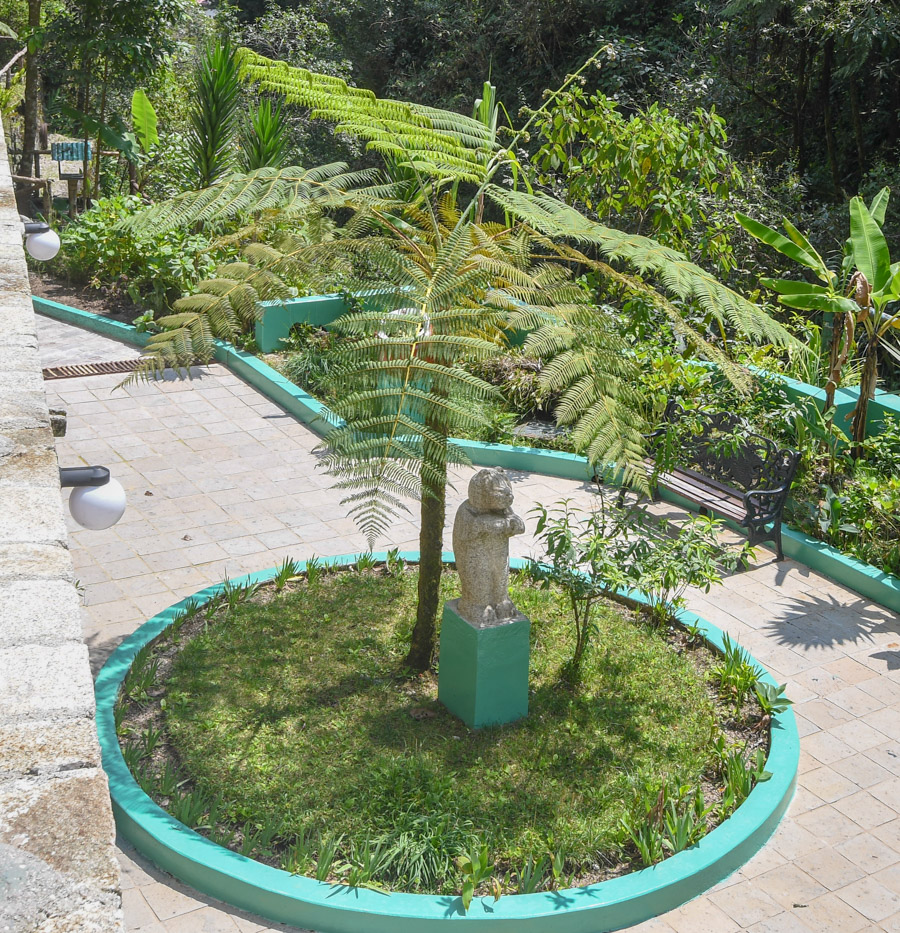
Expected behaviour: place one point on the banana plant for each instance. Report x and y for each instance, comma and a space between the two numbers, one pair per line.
863, 295
144, 135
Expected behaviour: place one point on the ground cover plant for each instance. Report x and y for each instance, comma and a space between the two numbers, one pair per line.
283, 722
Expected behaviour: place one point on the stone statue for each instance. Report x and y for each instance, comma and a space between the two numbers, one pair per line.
484, 524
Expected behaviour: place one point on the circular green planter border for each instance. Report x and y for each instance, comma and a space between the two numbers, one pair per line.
304, 902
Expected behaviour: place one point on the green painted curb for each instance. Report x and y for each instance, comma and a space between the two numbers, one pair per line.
877, 585
126, 333
321, 310
301, 901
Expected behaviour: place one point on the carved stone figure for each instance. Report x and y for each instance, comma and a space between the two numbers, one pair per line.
484, 524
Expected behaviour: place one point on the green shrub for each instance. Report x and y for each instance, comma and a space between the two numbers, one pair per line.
312, 360
518, 376
152, 269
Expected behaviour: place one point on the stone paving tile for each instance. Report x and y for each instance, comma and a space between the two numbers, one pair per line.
871, 898
829, 914
61, 344
234, 489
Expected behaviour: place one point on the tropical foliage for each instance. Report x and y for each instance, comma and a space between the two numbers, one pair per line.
214, 118
857, 296
651, 171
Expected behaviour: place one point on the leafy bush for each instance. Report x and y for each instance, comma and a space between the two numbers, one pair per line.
616, 548
736, 673
883, 449
153, 269
863, 520
518, 376
311, 360
653, 172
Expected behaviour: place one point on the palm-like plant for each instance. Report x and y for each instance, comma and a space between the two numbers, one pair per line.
214, 113
264, 142
456, 278
863, 295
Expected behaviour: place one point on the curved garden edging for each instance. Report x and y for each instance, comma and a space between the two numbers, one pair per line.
877, 585
302, 901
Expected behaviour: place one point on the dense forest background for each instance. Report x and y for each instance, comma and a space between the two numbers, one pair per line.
809, 90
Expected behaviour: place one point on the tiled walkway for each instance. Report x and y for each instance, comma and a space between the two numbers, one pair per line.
221, 481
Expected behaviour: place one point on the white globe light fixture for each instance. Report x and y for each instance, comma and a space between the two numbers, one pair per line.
97, 501
41, 242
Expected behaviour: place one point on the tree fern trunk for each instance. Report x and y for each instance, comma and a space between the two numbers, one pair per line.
431, 547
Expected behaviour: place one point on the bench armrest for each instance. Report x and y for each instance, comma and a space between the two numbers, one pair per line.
764, 505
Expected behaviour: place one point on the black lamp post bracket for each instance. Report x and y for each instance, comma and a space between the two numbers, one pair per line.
83, 476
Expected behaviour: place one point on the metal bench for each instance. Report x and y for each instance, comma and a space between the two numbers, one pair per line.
730, 472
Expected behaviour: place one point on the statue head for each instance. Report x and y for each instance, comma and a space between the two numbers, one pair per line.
490, 491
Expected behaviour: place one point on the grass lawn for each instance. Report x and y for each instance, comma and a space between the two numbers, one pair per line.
306, 744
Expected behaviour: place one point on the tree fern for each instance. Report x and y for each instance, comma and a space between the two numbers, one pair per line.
675, 273
438, 143
287, 190
450, 282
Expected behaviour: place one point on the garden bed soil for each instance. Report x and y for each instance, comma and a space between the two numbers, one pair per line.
418, 703
104, 302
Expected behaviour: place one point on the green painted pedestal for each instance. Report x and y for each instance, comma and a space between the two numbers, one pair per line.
483, 675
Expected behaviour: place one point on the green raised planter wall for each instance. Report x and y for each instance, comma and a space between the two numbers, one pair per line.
845, 399
303, 902
125, 333
881, 587
278, 317
321, 310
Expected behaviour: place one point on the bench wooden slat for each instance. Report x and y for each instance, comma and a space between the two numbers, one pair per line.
729, 506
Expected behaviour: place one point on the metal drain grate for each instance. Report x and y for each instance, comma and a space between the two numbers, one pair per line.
91, 369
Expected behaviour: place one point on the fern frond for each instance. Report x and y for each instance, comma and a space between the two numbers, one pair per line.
436, 142
266, 189
677, 275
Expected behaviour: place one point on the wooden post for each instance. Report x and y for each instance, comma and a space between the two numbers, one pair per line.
73, 196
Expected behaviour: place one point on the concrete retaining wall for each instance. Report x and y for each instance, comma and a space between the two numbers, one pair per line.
58, 870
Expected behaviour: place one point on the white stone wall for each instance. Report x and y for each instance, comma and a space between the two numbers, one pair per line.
58, 870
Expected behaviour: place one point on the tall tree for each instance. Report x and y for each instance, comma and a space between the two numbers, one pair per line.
826, 68
32, 100
106, 43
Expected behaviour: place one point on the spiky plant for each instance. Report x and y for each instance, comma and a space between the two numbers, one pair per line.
458, 279
264, 140
214, 113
